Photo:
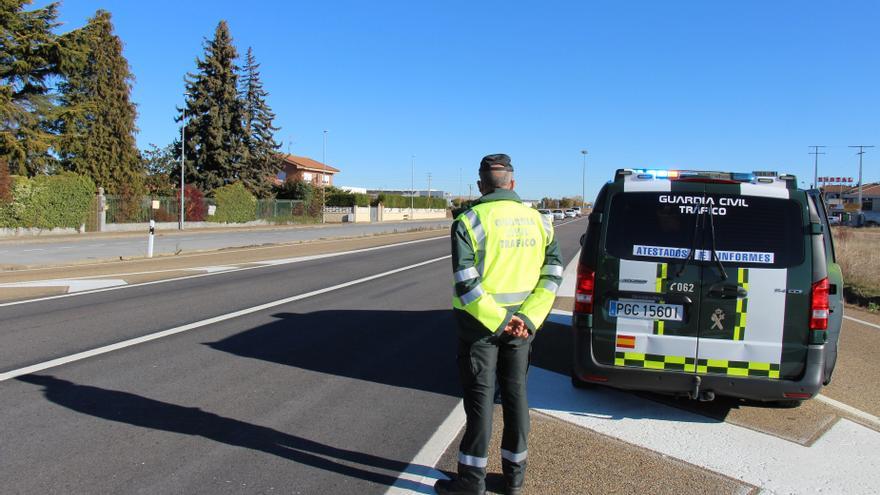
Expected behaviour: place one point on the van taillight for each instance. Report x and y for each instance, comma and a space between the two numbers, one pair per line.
583, 296
819, 306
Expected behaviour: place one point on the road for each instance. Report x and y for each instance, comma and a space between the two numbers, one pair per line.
16, 252
329, 375
333, 393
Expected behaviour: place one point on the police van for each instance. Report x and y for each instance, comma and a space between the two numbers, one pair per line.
699, 283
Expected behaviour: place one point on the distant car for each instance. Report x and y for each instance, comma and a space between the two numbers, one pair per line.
570, 214
547, 214
577, 210
558, 215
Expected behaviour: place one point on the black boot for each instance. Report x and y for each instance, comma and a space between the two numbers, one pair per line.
457, 486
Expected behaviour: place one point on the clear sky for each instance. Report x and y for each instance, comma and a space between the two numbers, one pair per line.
728, 85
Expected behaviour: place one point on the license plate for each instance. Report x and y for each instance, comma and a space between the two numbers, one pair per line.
644, 310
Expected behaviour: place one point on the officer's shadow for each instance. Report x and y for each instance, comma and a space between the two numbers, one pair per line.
124, 407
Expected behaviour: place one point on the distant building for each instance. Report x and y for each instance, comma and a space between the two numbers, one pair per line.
870, 196
306, 170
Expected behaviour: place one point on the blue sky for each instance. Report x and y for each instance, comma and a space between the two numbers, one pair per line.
726, 85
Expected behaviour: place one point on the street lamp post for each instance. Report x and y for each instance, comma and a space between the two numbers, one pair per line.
182, 162
323, 192
412, 185
861, 152
584, 181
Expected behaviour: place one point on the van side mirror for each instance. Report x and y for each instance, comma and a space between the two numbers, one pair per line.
583, 239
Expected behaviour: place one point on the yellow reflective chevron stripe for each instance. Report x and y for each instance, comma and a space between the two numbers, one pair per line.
662, 275
738, 368
655, 361
739, 323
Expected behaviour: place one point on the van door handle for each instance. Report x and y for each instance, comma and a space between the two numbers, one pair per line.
727, 291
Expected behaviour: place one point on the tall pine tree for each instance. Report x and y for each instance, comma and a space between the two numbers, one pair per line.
214, 146
31, 55
262, 160
97, 118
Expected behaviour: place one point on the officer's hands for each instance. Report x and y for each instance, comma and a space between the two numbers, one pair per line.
517, 328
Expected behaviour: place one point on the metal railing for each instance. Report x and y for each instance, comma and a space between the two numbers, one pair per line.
123, 210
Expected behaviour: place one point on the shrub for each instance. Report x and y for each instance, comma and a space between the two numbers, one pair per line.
194, 203
398, 201
235, 204
50, 201
295, 189
342, 198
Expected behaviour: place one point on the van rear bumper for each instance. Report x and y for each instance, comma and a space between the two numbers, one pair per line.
587, 369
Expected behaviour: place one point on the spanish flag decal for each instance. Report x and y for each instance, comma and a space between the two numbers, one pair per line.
626, 341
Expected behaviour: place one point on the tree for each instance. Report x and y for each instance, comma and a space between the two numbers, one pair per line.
160, 164
5, 183
262, 160
214, 146
97, 118
31, 56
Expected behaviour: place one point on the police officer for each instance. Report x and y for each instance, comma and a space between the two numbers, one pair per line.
507, 269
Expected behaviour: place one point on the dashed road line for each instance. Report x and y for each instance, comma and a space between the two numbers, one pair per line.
202, 323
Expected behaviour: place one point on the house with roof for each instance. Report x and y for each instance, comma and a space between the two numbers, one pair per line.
870, 196
307, 170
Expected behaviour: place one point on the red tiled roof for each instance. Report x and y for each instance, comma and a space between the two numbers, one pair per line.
309, 164
867, 190
836, 188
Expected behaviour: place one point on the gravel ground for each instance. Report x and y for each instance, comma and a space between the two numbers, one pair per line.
565, 459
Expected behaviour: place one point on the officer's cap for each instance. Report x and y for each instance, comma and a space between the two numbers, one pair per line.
498, 161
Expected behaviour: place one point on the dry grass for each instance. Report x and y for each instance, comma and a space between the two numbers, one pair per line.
858, 252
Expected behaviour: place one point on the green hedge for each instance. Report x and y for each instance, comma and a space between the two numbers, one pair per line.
235, 204
49, 201
398, 201
341, 198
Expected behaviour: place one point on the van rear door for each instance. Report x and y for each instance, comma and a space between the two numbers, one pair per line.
753, 316
647, 298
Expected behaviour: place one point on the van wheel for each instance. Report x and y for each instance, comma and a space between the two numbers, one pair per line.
578, 383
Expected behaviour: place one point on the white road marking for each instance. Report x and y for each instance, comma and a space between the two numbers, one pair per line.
32, 250
862, 322
73, 285
212, 269
202, 323
259, 265
843, 460
420, 475
569, 277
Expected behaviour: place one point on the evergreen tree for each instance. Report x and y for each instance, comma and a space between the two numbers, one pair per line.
262, 160
97, 118
214, 146
31, 55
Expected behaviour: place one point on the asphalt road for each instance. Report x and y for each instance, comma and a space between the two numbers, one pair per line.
332, 393
36, 251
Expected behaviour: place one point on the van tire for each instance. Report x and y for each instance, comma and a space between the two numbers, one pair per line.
580, 384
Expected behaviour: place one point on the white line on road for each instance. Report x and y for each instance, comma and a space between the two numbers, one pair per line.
420, 475
862, 322
259, 264
32, 250
209, 321
569, 277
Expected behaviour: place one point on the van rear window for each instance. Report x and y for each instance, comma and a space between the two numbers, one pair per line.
749, 230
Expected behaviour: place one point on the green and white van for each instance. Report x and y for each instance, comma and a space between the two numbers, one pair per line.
699, 283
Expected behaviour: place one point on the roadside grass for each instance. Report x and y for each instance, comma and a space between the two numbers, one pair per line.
858, 253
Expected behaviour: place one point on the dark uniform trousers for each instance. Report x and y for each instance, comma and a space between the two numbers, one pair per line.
479, 363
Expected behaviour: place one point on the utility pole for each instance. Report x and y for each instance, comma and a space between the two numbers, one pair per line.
470, 186
816, 154
584, 181
861, 152
460, 192
429, 188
